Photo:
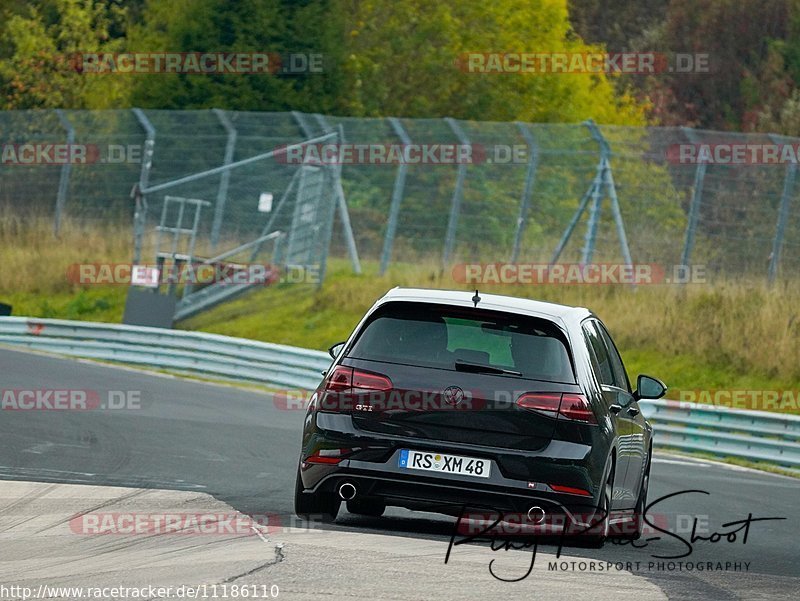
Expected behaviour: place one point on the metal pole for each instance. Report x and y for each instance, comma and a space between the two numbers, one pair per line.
783, 217
611, 190
249, 161
694, 207
455, 205
303, 124
530, 178
617, 213
341, 203
597, 196
576, 217
397, 197
140, 215
327, 235
225, 178
66, 169
324, 125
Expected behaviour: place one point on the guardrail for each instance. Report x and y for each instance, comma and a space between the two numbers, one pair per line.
725, 432
211, 355
722, 432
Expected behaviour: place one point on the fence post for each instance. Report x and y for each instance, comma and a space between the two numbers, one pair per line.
597, 197
140, 215
225, 178
611, 190
694, 207
562, 243
455, 205
397, 197
783, 217
530, 178
66, 169
341, 203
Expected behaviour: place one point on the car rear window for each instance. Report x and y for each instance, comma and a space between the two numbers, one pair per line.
440, 336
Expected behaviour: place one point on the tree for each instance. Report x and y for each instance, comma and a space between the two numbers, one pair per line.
402, 61
39, 49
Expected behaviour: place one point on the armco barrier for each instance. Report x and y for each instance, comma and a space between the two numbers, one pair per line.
722, 432
726, 432
208, 354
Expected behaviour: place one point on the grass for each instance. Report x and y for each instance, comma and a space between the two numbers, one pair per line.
732, 335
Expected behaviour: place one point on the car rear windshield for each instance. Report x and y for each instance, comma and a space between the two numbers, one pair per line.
458, 338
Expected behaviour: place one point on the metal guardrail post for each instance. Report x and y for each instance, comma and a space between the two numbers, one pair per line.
783, 216
140, 215
225, 178
694, 207
66, 170
530, 178
455, 205
397, 197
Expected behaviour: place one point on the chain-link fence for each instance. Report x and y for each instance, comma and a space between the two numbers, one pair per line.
435, 190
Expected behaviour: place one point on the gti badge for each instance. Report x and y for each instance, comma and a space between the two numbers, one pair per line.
453, 395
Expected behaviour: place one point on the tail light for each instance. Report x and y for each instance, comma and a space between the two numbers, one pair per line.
574, 407
577, 408
540, 401
354, 381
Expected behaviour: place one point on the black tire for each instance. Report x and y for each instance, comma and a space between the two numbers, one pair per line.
312, 506
596, 536
370, 507
641, 503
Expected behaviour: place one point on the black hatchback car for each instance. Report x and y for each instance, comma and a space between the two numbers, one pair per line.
456, 402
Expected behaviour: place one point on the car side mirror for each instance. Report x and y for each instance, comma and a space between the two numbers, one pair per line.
648, 387
335, 350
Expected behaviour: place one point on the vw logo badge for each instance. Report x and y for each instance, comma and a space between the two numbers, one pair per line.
453, 395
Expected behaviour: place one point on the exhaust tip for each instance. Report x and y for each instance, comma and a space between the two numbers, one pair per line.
347, 491
536, 514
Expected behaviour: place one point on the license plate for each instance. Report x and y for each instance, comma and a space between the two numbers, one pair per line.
439, 462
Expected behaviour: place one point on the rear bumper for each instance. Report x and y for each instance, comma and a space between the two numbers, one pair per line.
518, 480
